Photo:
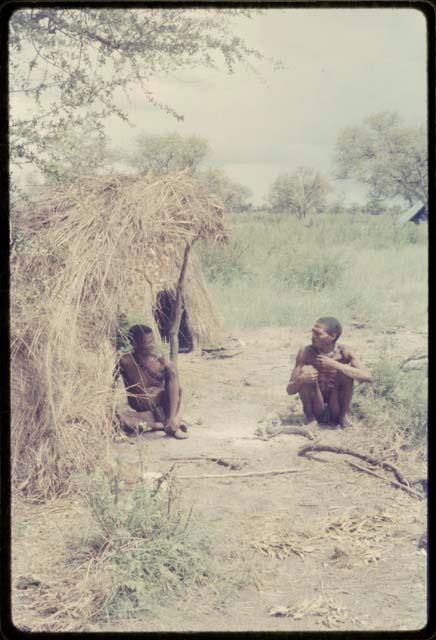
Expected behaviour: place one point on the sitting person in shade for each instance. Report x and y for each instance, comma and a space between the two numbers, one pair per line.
152, 385
324, 375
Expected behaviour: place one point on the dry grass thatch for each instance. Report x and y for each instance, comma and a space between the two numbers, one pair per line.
91, 250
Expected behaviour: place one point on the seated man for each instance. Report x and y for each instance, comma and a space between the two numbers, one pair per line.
324, 375
152, 385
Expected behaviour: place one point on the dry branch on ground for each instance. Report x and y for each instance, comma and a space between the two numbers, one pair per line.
309, 448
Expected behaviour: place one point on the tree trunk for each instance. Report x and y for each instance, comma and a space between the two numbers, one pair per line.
177, 311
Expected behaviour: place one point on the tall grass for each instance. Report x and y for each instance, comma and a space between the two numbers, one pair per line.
278, 270
397, 402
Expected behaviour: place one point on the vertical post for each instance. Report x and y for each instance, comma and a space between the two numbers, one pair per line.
177, 312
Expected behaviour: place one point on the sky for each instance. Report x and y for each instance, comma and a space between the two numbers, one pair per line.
340, 66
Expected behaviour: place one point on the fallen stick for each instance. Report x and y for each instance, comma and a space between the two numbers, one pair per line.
224, 461
378, 475
211, 458
297, 431
219, 476
363, 456
414, 358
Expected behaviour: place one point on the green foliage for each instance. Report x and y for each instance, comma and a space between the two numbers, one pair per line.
173, 152
397, 399
300, 193
313, 273
166, 153
233, 195
288, 271
391, 160
157, 552
75, 152
68, 66
223, 263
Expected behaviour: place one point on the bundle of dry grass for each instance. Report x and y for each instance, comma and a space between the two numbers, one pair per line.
90, 250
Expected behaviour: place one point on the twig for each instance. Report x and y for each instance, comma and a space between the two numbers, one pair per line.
212, 459
421, 356
378, 475
363, 456
223, 461
298, 431
219, 476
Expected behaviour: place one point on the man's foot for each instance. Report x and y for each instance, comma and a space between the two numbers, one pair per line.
311, 424
345, 422
180, 434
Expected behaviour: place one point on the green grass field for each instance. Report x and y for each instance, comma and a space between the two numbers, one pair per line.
277, 270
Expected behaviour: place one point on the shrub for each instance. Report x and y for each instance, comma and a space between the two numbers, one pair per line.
320, 273
397, 398
155, 550
223, 263
311, 273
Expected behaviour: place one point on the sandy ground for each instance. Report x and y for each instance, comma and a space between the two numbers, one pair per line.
352, 560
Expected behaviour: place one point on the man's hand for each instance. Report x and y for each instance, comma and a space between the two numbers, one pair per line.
328, 363
308, 375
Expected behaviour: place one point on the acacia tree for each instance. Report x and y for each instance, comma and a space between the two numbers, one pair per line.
390, 159
299, 193
235, 196
68, 66
171, 152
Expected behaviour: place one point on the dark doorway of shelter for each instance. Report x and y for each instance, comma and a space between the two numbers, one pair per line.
163, 313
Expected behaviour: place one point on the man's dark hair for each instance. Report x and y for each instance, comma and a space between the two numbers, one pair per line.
136, 332
331, 324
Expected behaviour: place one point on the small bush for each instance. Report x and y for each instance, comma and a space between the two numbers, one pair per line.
155, 550
223, 263
311, 273
397, 399
320, 273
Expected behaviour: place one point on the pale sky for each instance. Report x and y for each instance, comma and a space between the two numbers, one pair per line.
341, 65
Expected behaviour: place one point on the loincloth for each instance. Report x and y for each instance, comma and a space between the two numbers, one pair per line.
149, 403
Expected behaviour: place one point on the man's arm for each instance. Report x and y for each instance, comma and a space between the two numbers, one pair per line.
301, 374
354, 369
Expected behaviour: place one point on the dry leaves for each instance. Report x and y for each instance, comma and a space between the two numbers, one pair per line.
323, 609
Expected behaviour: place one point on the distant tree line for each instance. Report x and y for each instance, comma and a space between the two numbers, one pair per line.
389, 159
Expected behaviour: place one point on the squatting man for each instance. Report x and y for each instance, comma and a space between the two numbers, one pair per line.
152, 384
324, 375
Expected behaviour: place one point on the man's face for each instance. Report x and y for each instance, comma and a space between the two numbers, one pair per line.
321, 338
145, 343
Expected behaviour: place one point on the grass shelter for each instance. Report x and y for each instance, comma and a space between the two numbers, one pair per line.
82, 254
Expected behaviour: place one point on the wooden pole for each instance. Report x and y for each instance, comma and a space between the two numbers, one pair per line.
177, 312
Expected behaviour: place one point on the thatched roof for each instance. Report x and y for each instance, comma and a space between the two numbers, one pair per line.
92, 249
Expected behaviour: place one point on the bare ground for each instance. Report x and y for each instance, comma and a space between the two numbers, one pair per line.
331, 548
